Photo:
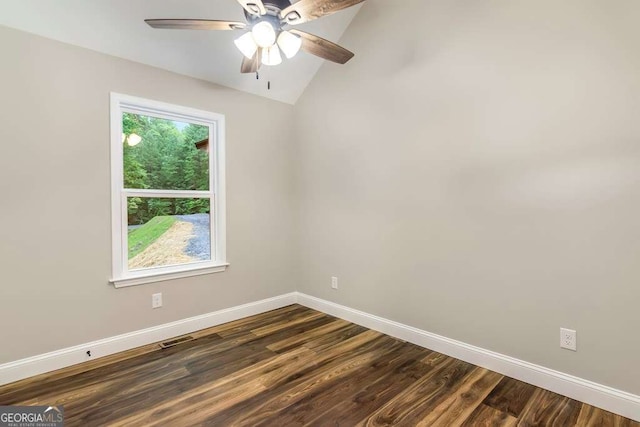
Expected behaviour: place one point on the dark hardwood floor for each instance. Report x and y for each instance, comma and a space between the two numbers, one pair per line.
295, 366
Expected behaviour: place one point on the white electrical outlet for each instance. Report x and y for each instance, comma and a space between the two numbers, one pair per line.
334, 283
156, 300
568, 339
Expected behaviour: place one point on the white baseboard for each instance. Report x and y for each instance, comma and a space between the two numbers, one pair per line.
25, 368
610, 399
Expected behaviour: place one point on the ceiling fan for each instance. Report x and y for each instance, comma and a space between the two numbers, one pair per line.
268, 33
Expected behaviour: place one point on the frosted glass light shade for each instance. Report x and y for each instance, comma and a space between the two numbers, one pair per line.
289, 43
246, 45
264, 34
271, 55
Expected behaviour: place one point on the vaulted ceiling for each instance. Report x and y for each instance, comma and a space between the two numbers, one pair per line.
117, 27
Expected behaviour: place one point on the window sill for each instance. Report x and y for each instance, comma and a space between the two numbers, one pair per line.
151, 277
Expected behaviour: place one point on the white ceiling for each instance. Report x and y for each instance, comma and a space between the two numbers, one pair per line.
117, 27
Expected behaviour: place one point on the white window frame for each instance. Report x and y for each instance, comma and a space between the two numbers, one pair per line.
121, 276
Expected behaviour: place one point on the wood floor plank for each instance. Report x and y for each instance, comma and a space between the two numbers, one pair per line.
333, 393
276, 399
434, 358
217, 395
591, 416
319, 344
205, 402
463, 401
310, 335
510, 396
546, 408
116, 361
380, 390
111, 373
117, 401
248, 323
149, 375
286, 323
486, 416
38, 382
295, 366
415, 403
225, 355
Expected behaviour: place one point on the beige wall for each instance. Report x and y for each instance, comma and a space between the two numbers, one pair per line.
55, 249
475, 172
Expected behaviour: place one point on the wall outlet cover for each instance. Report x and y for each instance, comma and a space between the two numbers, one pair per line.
568, 339
156, 300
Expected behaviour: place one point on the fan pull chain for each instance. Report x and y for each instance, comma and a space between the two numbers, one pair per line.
269, 78
268, 81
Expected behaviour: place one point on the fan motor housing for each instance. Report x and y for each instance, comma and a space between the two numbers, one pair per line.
280, 4
273, 8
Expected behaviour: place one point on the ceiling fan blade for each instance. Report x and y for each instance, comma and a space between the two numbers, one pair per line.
195, 24
254, 7
308, 10
323, 48
251, 65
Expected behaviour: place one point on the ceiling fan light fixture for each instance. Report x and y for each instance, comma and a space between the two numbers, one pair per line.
247, 45
289, 43
271, 56
262, 38
264, 34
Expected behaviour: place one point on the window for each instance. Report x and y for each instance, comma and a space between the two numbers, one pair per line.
167, 185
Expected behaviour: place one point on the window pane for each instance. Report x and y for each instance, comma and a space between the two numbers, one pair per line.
166, 232
162, 154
